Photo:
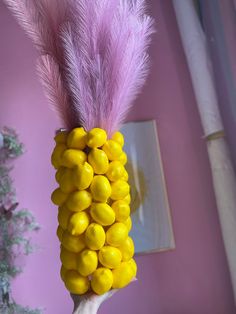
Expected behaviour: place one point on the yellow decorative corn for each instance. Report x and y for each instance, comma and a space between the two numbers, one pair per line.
94, 213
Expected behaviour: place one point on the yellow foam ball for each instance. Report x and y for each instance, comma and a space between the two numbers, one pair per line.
127, 199
127, 249
77, 138
73, 243
66, 183
58, 197
100, 188
68, 259
78, 223
119, 189
63, 217
96, 137
95, 236
61, 137
125, 176
123, 158
102, 280
102, 213
133, 265
76, 283
73, 157
63, 272
59, 173
128, 223
116, 234
115, 171
79, 200
112, 149
122, 275
110, 256
98, 160
60, 233
56, 158
121, 209
82, 176
119, 138
87, 262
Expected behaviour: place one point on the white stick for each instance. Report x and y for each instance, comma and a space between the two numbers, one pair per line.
224, 180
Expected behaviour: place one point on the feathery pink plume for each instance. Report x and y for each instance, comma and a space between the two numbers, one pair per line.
50, 77
110, 64
99, 55
41, 20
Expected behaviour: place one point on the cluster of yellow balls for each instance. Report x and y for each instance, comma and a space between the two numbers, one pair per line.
94, 212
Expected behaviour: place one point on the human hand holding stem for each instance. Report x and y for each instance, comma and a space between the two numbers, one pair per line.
90, 302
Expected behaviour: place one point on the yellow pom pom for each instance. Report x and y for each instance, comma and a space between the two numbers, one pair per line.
83, 176
64, 215
58, 197
122, 275
77, 138
72, 243
61, 137
66, 182
68, 259
78, 223
96, 137
112, 149
87, 262
123, 158
56, 158
60, 233
100, 188
73, 157
128, 223
63, 272
110, 256
127, 249
102, 280
119, 189
116, 234
121, 209
98, 160
95, 236
79, 200
102, 213
119, 138
115, 171
76, 283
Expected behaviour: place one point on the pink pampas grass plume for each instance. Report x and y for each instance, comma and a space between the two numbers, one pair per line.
97, 59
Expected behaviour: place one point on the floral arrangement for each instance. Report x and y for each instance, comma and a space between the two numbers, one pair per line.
14, 225
93, 63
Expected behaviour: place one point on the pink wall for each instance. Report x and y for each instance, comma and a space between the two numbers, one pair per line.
193, 279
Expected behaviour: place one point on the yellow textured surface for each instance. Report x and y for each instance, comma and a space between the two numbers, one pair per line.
94, 213
87, 262
76, 283
102, 213
102, 280
110, 256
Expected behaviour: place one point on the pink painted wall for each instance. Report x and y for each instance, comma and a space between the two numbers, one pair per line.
193, 279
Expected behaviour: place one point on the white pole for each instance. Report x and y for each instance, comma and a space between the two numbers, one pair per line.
224, 180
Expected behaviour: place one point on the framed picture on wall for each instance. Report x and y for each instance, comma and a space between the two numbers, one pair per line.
152, 227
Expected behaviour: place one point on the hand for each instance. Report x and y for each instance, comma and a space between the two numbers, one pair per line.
90, 302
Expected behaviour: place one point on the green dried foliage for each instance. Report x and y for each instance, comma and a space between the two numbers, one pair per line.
15, 226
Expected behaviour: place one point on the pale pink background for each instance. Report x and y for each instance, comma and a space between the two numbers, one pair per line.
194, 278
